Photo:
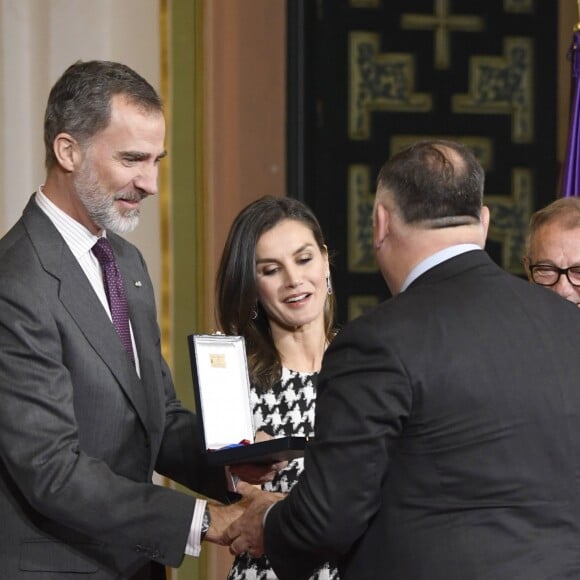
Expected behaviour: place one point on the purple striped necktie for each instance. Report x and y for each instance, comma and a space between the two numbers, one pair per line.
115, 293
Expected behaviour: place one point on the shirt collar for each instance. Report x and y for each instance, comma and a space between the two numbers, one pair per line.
78, 238
436, 259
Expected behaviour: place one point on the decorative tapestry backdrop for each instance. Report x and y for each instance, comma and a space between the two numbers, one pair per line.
368, 77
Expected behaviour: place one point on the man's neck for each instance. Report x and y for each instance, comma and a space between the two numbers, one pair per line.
419, 246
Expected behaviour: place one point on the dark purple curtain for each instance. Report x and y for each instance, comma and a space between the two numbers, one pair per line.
571, 168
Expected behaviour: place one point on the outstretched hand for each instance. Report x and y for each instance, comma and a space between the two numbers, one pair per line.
246, 534
258, 473
221, 517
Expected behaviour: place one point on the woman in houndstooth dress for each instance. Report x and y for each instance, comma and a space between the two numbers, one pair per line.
274, 289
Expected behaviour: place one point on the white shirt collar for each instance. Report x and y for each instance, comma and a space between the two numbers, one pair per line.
77, 237
435, 259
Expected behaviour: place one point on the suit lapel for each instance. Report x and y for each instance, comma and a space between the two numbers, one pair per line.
80, 300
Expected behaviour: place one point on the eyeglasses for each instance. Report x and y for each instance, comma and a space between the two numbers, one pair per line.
546, 275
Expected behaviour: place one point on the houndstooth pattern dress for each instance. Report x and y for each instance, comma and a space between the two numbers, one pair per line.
286, 409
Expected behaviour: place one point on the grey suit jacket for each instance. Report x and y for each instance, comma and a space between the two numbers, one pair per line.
80, 432
447, 438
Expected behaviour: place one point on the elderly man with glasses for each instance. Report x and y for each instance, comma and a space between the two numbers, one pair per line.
553, 249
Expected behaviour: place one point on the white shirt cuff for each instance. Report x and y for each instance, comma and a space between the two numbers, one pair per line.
193, 546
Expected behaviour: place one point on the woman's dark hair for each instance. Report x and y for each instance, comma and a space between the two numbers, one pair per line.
236, 291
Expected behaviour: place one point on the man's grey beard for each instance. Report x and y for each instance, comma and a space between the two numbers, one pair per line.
100, 205
104, 213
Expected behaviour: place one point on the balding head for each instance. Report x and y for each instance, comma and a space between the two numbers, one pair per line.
429, 197
438, 182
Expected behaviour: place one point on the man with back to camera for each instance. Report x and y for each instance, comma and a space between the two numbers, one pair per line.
88, 406
448, 418
553, 248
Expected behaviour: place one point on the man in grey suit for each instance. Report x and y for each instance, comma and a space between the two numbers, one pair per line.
85, 419
447, 439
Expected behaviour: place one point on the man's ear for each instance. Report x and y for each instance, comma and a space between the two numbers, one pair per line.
67, 151
381, 224
485, 218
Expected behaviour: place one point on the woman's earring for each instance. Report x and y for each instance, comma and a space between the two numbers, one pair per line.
254, 313
329, 284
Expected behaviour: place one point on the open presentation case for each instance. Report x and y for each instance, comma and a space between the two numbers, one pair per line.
222, 397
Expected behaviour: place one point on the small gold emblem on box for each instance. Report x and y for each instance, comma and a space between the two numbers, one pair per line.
218, 361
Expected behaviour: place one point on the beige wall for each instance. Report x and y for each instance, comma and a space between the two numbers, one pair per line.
245, 96
38, 40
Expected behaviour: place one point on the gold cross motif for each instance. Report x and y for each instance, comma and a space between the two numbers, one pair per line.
443, 23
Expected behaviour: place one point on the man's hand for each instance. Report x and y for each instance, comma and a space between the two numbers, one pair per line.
258, 473
221, 517
246, 534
